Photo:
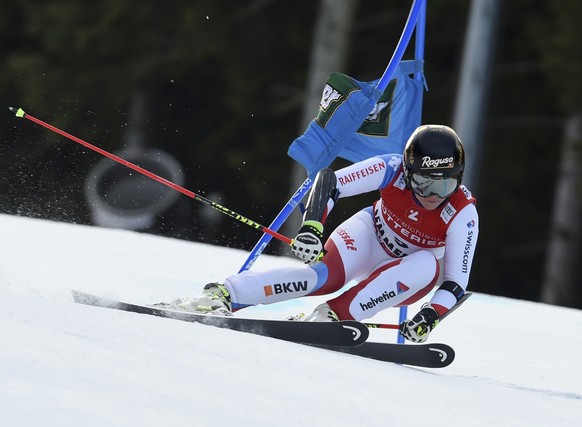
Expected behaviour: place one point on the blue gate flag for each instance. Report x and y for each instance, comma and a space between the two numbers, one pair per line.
356, 121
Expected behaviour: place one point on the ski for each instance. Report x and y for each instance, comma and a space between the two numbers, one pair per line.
344, 333
422, 355
346, 336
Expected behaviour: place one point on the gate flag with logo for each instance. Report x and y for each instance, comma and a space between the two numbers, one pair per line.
387, 125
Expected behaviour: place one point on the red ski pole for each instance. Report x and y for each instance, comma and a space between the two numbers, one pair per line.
461, 300
381, 326
20, 113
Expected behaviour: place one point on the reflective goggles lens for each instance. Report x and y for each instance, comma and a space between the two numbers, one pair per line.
425, 186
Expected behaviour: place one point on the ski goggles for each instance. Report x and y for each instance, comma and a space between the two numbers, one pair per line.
426, 186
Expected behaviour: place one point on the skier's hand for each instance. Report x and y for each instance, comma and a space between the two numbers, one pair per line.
308, 244
418, 329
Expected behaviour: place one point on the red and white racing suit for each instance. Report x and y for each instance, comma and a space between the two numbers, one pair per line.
391, 249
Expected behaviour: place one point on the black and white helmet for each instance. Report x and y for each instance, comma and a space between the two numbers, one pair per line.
434, 161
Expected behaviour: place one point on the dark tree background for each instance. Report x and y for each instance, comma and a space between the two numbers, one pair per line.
224, 82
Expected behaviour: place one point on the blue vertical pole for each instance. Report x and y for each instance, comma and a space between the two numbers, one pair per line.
419, 55
415, 12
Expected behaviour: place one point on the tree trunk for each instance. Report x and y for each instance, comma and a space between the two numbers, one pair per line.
563, 271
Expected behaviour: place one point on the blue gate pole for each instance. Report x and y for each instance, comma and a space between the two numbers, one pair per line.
418, 54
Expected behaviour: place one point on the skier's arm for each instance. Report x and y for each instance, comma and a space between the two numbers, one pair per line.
459, 249
361, 177
368, 175
308, 244
460, 246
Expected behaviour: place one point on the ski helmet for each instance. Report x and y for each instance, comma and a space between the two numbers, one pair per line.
433, 161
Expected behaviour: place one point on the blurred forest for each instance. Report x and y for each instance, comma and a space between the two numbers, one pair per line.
221, 86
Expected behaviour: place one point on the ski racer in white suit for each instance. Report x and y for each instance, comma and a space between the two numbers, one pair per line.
391, 249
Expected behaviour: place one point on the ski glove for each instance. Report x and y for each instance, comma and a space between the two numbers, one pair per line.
418, 329
308, 244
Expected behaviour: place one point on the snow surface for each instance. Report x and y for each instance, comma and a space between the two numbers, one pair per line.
66, 364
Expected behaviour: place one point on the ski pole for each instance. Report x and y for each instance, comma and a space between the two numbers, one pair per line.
381, 326
20, 113
464, 298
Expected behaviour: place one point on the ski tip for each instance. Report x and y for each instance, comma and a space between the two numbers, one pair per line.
19, 112
80, 297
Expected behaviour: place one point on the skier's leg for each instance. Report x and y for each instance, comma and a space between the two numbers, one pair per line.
352, 252
400, 282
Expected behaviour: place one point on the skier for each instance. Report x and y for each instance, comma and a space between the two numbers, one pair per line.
391, 249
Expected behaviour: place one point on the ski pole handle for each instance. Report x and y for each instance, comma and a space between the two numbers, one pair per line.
20, 113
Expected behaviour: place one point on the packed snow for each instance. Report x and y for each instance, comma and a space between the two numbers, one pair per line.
65, 364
